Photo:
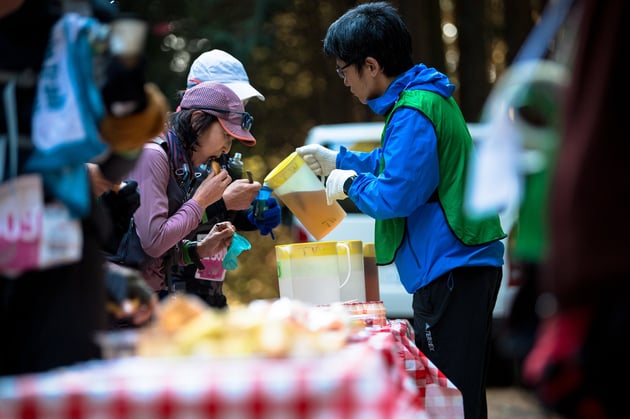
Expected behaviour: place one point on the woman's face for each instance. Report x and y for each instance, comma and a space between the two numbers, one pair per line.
211, 144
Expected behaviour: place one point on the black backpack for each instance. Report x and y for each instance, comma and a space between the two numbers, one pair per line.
123, 247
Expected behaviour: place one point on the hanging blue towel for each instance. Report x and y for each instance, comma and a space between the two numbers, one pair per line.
68, 110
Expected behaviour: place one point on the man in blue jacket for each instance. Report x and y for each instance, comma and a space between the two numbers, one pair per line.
413, 185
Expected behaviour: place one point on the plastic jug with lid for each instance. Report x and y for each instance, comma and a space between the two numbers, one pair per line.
315, 272
295, 184
354, 290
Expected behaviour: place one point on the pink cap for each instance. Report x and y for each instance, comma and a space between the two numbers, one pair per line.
219, 100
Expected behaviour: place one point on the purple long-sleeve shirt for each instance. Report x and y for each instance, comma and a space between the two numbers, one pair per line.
157, 231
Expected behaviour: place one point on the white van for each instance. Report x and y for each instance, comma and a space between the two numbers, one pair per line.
358, 226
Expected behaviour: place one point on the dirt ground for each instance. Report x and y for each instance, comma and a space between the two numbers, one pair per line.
514, 403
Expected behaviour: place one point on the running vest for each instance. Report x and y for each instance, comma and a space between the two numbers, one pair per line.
129, 251
455, 147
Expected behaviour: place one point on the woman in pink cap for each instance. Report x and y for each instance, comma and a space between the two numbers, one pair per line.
236, 204
172, 205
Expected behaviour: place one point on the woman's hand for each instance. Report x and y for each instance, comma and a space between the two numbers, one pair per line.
211, 189
217, 240
240, 194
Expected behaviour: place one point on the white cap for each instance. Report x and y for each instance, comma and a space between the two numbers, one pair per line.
220, 67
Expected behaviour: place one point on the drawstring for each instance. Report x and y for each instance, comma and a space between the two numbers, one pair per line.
450, 284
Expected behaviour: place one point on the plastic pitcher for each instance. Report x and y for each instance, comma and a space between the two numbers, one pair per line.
314, 272
354, 290
295, 184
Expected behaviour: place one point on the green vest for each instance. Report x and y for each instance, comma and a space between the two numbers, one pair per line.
454, 155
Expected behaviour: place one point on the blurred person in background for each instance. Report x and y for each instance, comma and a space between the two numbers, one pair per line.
236, 203
51, 310
413, 185
579, 355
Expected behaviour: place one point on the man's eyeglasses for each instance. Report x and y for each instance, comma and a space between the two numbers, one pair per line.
340, 70
247, 119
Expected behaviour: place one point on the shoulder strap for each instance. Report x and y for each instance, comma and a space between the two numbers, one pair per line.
164, 144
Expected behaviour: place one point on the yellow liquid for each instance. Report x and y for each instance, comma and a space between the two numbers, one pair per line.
314, 213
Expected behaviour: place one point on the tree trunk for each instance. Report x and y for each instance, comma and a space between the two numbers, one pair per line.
473, 42
520, 14
424, 22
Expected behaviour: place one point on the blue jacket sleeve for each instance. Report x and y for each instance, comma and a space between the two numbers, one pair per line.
411, 172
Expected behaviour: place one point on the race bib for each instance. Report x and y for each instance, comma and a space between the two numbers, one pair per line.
34, 236
213, 266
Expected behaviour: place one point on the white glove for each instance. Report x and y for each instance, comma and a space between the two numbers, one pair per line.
320, 159
334, 184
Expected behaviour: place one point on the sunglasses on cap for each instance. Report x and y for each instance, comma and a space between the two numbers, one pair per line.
246, 119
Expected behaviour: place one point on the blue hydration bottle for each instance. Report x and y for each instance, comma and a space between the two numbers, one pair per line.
261, 202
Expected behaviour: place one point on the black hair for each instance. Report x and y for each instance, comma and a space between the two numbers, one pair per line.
371, 30
189, 125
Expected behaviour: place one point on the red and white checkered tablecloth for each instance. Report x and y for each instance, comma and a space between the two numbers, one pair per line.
383, 376
437, 395
364, 380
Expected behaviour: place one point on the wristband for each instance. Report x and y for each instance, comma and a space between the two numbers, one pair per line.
348, 183
191, 249
185, 256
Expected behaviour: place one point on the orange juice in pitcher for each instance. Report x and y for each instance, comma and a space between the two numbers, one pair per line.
301, 191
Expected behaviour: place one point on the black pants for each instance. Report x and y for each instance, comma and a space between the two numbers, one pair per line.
183, 279
453, 328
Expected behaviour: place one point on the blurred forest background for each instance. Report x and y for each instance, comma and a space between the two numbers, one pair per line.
279, 42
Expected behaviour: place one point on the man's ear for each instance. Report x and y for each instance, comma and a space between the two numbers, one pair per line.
372, 65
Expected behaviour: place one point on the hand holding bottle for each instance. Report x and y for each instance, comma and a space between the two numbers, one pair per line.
266, 213
240, 194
